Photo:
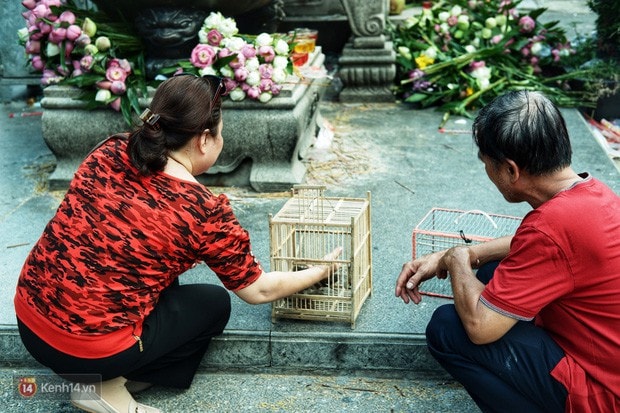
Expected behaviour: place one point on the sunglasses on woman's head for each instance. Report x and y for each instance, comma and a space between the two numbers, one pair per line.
213, 80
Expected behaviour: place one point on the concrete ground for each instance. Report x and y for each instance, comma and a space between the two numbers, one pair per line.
262, 365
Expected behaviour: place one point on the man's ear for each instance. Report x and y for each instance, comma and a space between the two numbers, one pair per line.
513, 170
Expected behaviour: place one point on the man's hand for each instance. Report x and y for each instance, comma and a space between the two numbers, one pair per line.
415, 272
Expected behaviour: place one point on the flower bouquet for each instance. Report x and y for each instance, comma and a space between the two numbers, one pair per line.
105, 58
459, 55
86, 49
252, 66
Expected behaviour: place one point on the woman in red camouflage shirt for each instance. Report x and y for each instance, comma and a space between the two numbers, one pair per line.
98, 299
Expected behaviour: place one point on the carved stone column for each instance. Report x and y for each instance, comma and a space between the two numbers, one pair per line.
367, 64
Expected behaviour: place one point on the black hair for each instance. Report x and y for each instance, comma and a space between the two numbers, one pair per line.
525, 127
186, 106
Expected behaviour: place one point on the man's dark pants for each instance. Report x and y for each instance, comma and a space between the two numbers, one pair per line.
511, 374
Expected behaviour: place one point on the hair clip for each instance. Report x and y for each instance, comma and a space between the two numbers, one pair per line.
149, 117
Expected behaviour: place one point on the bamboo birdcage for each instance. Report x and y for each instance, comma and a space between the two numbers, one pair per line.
307, 228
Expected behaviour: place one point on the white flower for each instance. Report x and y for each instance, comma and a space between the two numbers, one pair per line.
52, 49
23, 34
431, 52
252, 64
213, 21
103, 95
209, 70
265, 97
281, 47
482, 76
202, 36
228, 28
404, 52
470, 48
264, 39
227, 71
237, 94
280, 62
443, 16
235, 44
456, 10
278, 75
253, 78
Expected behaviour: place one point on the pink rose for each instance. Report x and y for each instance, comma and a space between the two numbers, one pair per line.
202, 56
526, 24
214, 37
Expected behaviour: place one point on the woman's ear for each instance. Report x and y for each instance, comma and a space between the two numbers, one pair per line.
203, 140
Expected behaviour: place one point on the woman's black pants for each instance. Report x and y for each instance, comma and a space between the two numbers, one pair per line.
175, 338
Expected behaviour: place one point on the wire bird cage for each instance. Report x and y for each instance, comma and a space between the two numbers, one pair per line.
307, 228
443, 228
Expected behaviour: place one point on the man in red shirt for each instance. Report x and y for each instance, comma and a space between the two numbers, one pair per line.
537, 328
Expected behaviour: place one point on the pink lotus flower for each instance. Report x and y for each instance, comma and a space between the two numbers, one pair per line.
202, 56
265, 85
33, 47
121, 63
214, 37
38, 63
237, 62
266, 71
248, 51
267, 53
104, 84
526, 24
73, 32
116, 104
82, 40
57, 35
231, 84
86, 62
67, 17
118, 87
29, 4
241, 74
253, 92
115, 73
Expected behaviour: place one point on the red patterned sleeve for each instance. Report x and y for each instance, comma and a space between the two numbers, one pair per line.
226, 248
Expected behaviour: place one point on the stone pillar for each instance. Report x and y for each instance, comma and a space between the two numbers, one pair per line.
367, 63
